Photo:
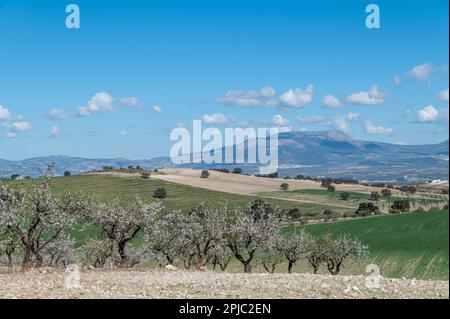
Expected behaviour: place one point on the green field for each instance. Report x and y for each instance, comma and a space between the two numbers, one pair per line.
411, 245
179, 196
334, 198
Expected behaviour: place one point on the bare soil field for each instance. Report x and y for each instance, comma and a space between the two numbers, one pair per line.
244, 184
189, 284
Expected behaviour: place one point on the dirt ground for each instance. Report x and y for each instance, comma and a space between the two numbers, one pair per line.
243, 184
189, 284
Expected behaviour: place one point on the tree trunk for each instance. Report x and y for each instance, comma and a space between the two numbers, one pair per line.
290, 264
124, 262
26, 261
247, 268
316, 269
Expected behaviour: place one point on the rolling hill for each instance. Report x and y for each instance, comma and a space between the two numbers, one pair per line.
328, 153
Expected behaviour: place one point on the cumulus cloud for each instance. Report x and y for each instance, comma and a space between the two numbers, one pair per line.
54, 132
4, 113
132, 102
248, 98
279, 120
339, 122
422, 72
428, 114
373, 129
156, 109
443, 96
217, 118
291, 98
20, 126
100, 102
57, 114
371, 97
297, 98
331, 101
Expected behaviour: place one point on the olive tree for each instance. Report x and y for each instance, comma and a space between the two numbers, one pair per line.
220, 255
37, 218
121, 222
314, 251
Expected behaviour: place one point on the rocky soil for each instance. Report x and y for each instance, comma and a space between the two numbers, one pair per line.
189, 284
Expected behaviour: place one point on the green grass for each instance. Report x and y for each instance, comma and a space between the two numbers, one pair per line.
183, 197
412, 245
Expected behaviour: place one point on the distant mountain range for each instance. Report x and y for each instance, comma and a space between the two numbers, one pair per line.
330, 153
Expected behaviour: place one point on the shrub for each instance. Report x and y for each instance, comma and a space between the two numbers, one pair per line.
204, 174
237, 170
365, 209
284, 186
444, 191
325, 183
374, 196
67, 173
331, 188
345, 195
160, 193
145, 175
400, 206
294, 213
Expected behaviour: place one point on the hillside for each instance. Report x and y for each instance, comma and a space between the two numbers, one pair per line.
330, 153
412, 245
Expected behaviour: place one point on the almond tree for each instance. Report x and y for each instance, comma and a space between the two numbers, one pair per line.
38, 218
247, 232
293, 247
342, 248
122, 223
202, 229
165, 239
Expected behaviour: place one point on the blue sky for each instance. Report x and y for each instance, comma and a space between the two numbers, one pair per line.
134, 70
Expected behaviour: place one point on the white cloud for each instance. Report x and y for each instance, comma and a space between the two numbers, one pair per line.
397, 80
279, 120
353, 116
297, 98
131, 102
443, 95
123, 134
248, 98
217, 118
11, 135
422, 72
100, 102
57, 114
292, 98
4, 113
156, 109
55, 131
20, 126
372, 129
331, 101
371, 97
338, 122
428, 114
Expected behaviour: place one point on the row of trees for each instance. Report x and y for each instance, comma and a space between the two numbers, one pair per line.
36, 227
